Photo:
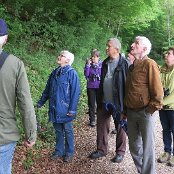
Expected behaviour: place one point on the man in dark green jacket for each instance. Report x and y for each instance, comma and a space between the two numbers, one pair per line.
14, 89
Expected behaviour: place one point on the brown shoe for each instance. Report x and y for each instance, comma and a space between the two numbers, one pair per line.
164, 158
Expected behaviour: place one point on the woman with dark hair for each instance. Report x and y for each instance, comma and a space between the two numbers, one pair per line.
92, 72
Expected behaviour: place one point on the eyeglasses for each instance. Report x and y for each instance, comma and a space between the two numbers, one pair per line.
61, 55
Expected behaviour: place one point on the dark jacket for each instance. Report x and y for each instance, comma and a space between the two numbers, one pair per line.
119, 81
92, 73
63, 92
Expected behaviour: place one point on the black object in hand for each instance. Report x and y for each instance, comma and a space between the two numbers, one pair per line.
166, 92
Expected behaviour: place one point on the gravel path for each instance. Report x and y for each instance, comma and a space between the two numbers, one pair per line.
85, 143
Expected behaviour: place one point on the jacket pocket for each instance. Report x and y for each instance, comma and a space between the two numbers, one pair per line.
137, 100
65, 104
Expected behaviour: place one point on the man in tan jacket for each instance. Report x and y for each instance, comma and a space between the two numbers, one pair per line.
144, 94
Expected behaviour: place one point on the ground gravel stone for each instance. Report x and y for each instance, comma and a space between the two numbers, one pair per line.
85, 144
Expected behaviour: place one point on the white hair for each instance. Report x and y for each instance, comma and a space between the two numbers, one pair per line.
68, 55
116, 43
145, 42
3, 39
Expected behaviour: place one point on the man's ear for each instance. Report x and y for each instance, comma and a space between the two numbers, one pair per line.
67, 60
145, 49
5, 40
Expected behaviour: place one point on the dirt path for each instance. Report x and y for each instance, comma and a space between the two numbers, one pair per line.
85, 143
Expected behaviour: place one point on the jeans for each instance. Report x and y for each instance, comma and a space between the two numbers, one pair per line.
6, 156
64, 139
167, 122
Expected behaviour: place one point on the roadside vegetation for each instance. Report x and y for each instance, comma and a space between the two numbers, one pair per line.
39, 30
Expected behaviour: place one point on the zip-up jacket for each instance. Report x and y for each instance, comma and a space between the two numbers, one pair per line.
92, 73
14, 89
63, 92
143, 87
119, 82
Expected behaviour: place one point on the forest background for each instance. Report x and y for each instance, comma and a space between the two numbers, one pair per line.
40, 29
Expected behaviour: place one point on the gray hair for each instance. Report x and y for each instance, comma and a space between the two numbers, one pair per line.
116, 43
68, 55
145, 42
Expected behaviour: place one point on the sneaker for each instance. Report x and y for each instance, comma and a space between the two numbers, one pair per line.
164, 158
96, 155
114, 131
68, 159
117, 158
171, 161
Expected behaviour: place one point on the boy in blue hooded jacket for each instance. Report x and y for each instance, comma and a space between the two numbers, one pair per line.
63, 92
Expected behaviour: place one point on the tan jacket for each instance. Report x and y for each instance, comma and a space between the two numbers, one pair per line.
143, 86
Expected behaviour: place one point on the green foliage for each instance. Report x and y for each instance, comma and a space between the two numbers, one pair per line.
39, 30
28, 162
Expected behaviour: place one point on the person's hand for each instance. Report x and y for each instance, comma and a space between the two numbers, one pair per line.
70, 114
37, 106
89, 61
28, 144
123, 116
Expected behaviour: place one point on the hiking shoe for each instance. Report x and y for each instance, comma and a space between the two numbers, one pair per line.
114, 131
92, 123
117, 158
171, 161
96, 155
67, 159
55, 156
164, 158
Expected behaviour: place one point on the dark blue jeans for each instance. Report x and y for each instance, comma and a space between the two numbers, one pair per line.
64, 139
167, 122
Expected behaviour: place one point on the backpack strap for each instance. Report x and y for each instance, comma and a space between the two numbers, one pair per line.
3, 57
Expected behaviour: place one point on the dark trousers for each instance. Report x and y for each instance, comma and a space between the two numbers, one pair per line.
92, 92
103, 129
167, 122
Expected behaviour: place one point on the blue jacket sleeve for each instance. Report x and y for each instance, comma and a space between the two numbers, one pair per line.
75, 92
45, 94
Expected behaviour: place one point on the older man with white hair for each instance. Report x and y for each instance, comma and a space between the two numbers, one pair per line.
144, 94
